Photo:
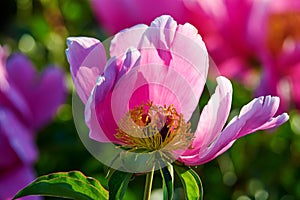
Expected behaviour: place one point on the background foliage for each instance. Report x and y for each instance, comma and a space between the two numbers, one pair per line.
265, 165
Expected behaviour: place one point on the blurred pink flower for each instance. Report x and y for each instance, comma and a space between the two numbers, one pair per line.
27, 102
251, 36
151, 85
224, 25
115, 15
278, 43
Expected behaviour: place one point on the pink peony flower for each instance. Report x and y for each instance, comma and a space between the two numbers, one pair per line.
27, 102
144, 96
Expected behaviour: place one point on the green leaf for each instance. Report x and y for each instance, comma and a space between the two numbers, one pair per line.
73, 185
190, 181
117, 184
168, 182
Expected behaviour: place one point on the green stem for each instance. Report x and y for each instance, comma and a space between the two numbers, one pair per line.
148, 185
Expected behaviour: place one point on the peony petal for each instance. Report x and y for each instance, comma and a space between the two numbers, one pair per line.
160, 34
87, 59
256, 115
213, 117
96, 131
130, 37
14, 179
190, 57
99, 105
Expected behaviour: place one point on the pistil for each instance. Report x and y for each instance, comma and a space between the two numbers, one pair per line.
150, 127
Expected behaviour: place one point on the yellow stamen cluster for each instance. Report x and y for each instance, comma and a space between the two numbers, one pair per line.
283, 30
149, 128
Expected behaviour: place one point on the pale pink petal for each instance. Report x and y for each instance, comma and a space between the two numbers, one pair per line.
160, 33
193, 160
130, 37
87, 59
15, 179
153, 42
189, 52
213, 117
17, 142
256, 115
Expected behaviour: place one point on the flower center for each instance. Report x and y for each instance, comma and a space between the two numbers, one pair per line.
150, 127
283, 31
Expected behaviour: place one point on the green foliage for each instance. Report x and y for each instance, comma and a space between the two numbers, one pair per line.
168, 182
191, 182
118, 183
73, 185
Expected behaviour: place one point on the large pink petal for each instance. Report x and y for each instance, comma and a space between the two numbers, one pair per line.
17, 140
15, 179
256, 115
213, 118
87, 59
99, 116
165, 43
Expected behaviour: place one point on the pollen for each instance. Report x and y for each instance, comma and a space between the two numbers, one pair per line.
151, 127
